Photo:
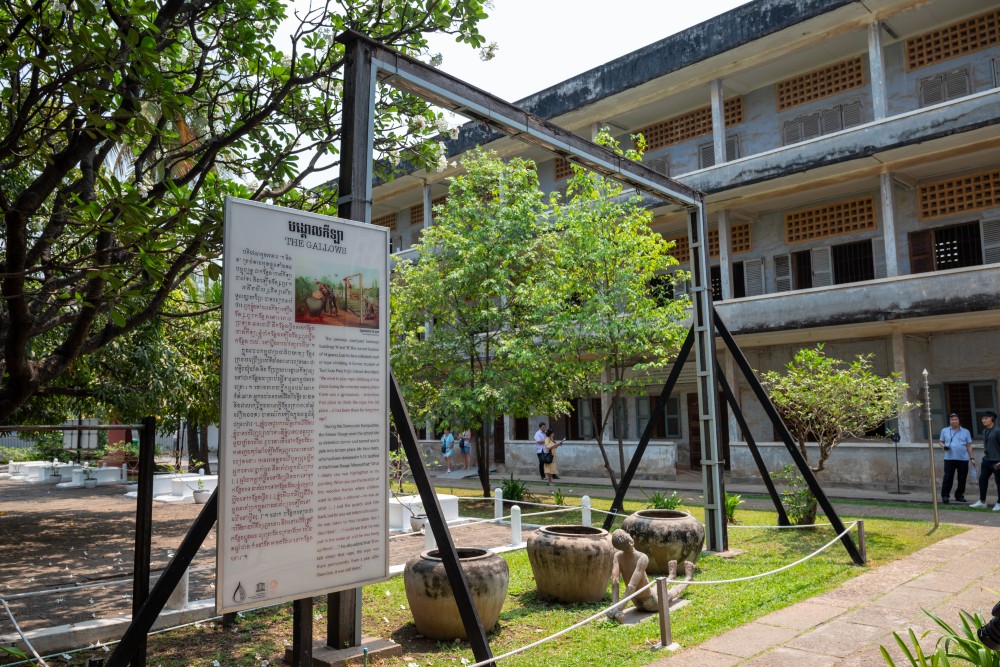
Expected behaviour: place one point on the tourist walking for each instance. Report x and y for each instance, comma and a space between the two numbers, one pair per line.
957, 443
551, 471
991, 460
540, 449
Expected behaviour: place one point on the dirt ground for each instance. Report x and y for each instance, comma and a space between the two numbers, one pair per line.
53, 538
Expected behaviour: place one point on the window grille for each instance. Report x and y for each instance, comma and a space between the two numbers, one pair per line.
690, 125
831, 220
681, 251
739, 238
944, 87
972, 192
388, 221
417, 215
562, 168
831, 80
852, 262
951, 41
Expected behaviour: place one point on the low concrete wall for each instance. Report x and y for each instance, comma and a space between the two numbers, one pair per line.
583, 459
862, 465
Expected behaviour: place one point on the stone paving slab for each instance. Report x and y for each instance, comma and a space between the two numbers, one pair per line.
846, 626
749, 640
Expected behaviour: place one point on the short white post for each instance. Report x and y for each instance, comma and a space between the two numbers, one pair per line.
429, 543
585, 511
497, 504
515, 526
178, 599
124, 472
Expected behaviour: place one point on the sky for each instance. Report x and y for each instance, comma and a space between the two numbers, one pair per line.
543, 42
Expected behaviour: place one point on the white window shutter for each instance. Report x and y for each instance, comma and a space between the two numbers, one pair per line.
990, 230
782, 273
822, 270
732, 148
810, 126
753, 276
791, 132
956, 84
852, 113
931, 91
706, 155
831, 121
878, 257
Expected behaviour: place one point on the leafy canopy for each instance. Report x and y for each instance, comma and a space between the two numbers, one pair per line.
124, 125
831, 400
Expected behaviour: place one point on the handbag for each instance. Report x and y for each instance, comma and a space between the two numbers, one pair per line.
547, 457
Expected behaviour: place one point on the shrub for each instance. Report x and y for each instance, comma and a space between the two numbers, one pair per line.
514, 490
952, 647
659, 501
799, 502
559, 498
733, 500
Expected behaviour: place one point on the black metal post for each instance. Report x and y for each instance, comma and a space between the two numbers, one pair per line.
786, 437
647, 433
135, 635
752, 446
143, 528
302, 641
435, 518
354, 196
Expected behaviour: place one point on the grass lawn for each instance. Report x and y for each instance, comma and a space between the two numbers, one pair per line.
262, 635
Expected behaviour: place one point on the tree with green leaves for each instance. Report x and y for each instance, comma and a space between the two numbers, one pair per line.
469, 314
829, 400
614, 324
124, 125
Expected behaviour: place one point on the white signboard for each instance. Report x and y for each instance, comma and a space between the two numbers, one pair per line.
303, 507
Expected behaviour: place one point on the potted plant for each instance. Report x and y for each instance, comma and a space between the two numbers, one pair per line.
398, 469
201, 494
89, 476
52, 472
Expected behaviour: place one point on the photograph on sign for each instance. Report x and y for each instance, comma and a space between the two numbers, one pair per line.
303, 469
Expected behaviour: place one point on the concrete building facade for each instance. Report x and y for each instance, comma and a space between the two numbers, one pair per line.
851, 156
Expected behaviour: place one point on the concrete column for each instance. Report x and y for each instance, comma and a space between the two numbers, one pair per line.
725, 268
427, 205
899, 366
889, 225
718, 122
876, 65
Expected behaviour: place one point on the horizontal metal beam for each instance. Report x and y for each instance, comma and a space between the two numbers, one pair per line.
455, 95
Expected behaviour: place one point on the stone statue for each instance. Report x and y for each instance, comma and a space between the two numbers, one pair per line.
630, 565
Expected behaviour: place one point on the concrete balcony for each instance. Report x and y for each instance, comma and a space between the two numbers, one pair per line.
913, 303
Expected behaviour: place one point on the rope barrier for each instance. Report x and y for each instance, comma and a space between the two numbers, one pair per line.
21, 633
579, 624
78, 587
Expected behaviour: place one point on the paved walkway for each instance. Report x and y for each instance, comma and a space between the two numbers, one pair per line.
846, 626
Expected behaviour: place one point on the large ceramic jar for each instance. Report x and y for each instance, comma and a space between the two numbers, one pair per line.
666, 535
571, 563
432, 601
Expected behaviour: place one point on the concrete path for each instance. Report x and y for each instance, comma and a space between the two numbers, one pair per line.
845, 626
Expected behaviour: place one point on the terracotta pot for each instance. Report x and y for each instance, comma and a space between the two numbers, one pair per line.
666, 535
314, 306
570, 563
432, 602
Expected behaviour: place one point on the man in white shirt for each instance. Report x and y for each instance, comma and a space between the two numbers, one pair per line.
957, 443
540, 449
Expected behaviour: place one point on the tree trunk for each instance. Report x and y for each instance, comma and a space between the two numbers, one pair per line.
192, 445
483, 456
203, 449
599, 436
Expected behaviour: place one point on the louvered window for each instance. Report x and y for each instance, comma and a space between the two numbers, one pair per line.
955, 246
944, 87
818, 123
706, 152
